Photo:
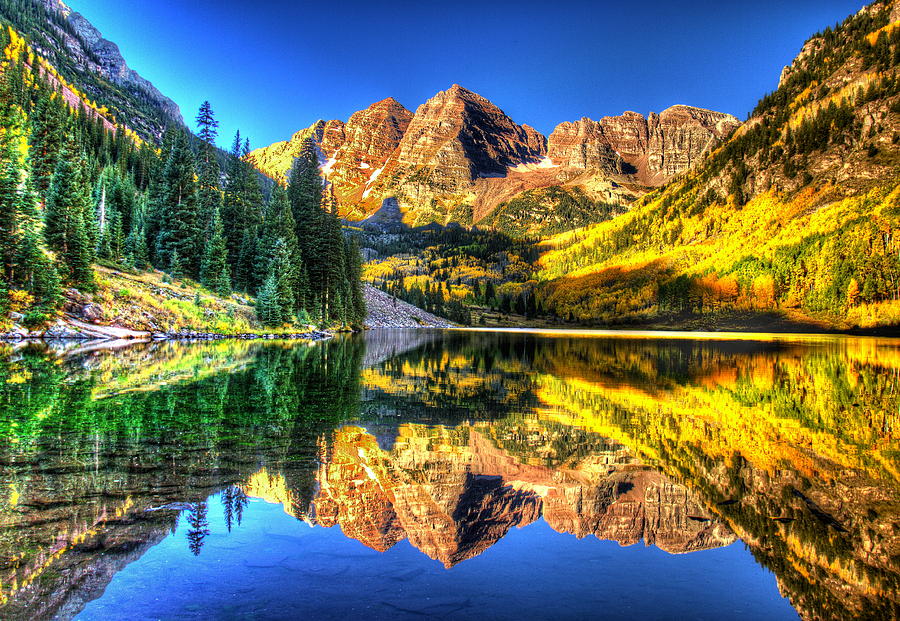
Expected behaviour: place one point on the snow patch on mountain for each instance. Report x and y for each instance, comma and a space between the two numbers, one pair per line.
543, 163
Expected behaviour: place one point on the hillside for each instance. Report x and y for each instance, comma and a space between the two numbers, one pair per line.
82, 57
98, 169
797, 212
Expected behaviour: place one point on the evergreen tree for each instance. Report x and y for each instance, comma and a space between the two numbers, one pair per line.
207, 124
68, 203
278, 225
35, 271
356, 306
10, 177
242, 210
47, 136
179, 235
275, 300
268, 310
335, 293
209, 193
214, 269
305, 192
136, 252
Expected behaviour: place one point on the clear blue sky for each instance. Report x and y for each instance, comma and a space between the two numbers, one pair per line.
270, 68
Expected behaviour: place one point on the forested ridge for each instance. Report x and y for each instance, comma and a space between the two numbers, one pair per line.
797, 212
76, 190
795, 215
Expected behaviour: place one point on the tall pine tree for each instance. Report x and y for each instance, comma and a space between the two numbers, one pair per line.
179, 245
68, 204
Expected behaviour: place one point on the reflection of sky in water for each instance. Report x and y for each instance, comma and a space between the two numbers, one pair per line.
274, 566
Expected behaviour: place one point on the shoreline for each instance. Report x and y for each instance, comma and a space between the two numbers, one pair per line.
93, 333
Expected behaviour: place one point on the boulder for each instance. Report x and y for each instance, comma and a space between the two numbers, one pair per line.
61, 330
91, 312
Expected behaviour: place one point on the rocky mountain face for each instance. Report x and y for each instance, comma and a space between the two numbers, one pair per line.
460, 156
455, 138
75, 48
650, 150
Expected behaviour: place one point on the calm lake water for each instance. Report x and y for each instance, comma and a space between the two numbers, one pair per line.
453, 475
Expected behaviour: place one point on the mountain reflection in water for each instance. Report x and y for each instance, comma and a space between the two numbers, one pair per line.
450, 440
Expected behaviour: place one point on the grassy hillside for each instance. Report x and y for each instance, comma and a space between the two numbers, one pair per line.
796, 213
154, 302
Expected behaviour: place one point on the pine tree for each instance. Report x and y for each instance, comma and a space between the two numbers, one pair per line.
268, 310
47, 136
10, 177
35, 271
68, 203
333, 264
136, 252
242, 209
180, 229
278, 225
305, 192
214, 268
207, 123
209, 193
353, 278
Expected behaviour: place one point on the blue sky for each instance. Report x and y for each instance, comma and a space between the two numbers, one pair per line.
270, 68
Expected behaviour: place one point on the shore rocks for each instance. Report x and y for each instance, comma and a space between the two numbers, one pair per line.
63, 330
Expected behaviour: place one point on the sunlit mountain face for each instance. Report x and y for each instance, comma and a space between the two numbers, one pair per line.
455, 474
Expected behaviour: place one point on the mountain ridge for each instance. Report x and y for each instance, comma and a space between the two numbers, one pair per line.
75, 49
459, 156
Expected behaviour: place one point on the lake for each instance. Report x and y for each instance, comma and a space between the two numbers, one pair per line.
453, 475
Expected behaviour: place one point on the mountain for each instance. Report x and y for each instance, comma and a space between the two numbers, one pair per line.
796, 214
460, 156
84, 59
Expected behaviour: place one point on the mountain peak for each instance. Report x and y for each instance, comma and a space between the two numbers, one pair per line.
388, 103
463, 93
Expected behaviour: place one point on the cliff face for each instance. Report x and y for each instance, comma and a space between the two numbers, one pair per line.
649, 150
460, 156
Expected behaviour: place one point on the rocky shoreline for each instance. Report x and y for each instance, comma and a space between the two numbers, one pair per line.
74, 330
312, 335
